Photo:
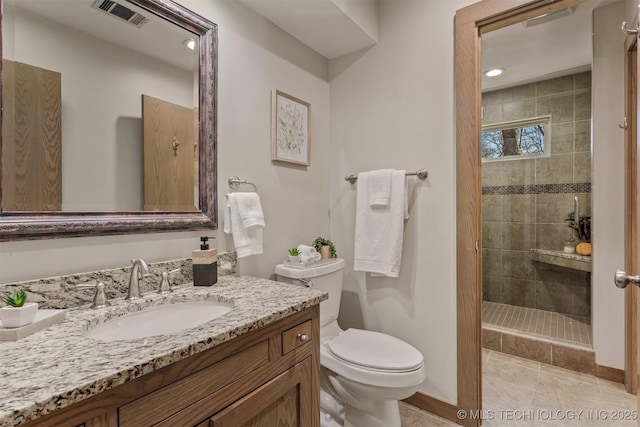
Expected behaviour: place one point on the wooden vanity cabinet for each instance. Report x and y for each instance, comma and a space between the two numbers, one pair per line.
265, 378
283, 401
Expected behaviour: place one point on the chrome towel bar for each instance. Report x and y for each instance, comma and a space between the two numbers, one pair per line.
420, 173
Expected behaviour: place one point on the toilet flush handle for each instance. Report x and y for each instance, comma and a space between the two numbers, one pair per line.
306, 282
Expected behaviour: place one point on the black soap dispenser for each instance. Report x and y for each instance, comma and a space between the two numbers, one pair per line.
205, 264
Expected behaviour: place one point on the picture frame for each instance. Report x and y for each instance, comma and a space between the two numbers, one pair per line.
290, 130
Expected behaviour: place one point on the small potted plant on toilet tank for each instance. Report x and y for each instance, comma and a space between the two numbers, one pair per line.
325, 247
294, 255
17, 312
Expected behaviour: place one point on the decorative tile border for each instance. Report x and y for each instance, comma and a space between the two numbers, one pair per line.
505, 190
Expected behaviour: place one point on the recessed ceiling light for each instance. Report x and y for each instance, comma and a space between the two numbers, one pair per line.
190, 43
495, 72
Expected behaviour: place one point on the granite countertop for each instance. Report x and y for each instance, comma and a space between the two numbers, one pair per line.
562, 259
58, 366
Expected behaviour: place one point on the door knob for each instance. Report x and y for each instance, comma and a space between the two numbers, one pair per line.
622, 280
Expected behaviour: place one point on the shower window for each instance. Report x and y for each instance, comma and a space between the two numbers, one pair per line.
517, 139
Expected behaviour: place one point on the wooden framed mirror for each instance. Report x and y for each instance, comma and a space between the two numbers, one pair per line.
77, 217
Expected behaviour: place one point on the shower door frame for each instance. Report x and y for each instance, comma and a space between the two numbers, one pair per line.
470, 23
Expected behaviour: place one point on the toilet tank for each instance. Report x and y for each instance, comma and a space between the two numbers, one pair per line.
325, 275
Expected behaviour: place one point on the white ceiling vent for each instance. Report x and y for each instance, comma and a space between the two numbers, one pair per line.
121, 12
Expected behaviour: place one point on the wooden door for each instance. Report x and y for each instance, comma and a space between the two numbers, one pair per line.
169, 156
631, 215
470, 22
31, 138
284, 401
632, 114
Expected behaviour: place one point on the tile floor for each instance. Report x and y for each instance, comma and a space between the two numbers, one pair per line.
520, 392
556, 326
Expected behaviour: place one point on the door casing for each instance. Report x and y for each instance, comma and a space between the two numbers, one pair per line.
631, 214
470, 23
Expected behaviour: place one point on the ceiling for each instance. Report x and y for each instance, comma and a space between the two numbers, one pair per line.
557, 47
554, 46
332, 28
551, 47
157, 38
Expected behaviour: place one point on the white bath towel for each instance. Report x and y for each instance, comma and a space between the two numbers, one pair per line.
378, 185
380, 230
244, 219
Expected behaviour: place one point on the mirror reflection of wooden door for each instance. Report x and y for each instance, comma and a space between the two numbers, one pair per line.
31, 138
169, 156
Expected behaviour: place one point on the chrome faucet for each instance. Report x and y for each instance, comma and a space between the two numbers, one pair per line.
134, 285
575, 224
100, 298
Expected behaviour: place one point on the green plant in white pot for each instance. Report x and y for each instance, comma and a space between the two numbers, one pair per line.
17, 312
294, 255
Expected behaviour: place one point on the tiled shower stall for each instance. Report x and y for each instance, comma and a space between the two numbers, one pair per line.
525, 204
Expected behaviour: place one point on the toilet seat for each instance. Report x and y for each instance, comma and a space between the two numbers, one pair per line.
370, 375
376, 351
367, 372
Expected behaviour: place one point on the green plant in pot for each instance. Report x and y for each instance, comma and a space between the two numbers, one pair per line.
17, 312
326, 248
582, 226
294, 255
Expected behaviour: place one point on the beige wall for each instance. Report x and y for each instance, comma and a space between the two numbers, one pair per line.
631, 13
392, 107
608, 185
255, 57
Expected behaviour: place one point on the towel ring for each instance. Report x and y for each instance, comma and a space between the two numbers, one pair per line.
235, 182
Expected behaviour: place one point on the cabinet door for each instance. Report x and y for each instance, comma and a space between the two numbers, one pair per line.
108, 419
285, 401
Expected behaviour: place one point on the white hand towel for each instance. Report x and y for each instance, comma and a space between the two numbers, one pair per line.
308, 254
380, 230
378, 184
241, 209
250, 209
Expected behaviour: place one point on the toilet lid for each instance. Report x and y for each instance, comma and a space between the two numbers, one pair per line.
375, 350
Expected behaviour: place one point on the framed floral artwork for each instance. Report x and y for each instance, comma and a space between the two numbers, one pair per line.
291, 136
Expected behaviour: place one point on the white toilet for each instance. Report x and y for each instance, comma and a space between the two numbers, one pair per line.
364, 374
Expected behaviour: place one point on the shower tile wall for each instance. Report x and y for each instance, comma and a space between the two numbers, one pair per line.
525, 201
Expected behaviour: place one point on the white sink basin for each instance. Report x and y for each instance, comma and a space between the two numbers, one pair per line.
158, 320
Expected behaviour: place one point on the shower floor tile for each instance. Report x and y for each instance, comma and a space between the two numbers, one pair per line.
551, 325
